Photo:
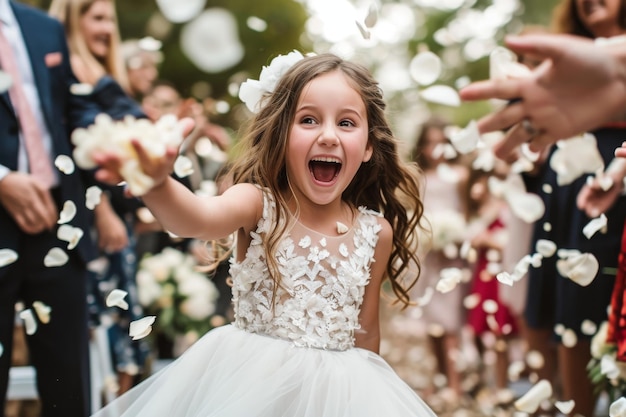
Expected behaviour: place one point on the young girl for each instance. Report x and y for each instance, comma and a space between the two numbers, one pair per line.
311, 256
444, 209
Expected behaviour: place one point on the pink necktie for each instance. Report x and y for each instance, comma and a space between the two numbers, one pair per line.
38, 158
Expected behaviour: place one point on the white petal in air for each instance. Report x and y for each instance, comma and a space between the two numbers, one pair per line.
526, 206
141, 328
529, 402
55, 257
545, 247
116, 298
257, 24
565, 407
588, 327
535, 359
595, 225
580, 268
211, 40
569, 338
70, 234
466, 140
5, 81
183, 167
505, 278
441, 94
81, 89
92, 197
7, 257
148, 43
68, 212
618, 408
29, 321
425, 68
43, 311
364, 32
65, 164
177, 11
504, 64
372, 16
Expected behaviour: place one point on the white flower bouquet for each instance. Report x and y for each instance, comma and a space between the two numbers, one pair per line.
605, 371
171, 287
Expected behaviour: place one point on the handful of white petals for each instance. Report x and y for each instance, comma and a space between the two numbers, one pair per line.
109, 136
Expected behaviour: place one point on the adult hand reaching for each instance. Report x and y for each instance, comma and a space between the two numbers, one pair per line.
30, 204
579, 86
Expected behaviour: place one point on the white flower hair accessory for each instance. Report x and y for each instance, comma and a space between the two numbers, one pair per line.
251, 92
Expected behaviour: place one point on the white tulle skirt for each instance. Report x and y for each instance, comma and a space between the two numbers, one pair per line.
233, 373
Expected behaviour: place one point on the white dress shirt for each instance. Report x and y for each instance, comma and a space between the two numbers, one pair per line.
11, 31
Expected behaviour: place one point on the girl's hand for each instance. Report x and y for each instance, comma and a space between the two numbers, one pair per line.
156, 168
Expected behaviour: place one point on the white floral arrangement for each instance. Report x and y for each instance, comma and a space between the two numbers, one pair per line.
252, 92
107, 135
605, 371
171, 287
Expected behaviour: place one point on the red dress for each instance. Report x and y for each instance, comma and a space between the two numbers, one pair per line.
617, 317
486, 286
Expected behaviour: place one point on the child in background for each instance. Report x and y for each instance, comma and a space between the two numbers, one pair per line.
324, 211
489, 316
444, 217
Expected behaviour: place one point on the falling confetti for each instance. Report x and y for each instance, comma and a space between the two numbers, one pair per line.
116, 299
55, 257
7, 257
141, 328
68, 212
183, 167
43, 311
65, 164
530, 402
29, 321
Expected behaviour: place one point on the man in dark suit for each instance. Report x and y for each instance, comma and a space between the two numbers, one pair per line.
29, 209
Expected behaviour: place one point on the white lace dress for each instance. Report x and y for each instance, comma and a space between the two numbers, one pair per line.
297, 359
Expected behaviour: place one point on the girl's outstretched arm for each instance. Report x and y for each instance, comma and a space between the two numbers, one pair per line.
206, 218
368, 337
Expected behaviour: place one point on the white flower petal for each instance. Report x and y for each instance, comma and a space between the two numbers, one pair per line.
177, 11
441, 94
364, 32
7, 257
81, 89
65, 164
595, 225
257, 24
503, 63
618, 408
116, 298
43, 311
545, 247
55, 257
526, 206
471, 301
138, 182
569, 338
425, 68
29, 321
565, 407
341, 228
588, 327
372, 16
6, 81
490, 306
574, 157
70, 234
580, 268
466, 140
183, 167
530, 402
505, 278
92, 197
535, 359
148, 43
68, 212
211, 40
141, 328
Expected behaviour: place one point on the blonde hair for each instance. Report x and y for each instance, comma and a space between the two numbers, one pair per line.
384, 183
69, 13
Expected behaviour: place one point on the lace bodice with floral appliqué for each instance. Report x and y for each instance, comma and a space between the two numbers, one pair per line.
322, 287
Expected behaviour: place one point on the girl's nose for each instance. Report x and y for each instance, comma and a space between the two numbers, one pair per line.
328, 135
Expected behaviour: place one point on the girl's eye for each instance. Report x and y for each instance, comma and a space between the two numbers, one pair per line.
346, 123
307, 120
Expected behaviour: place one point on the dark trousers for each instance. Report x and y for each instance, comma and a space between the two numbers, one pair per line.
58, 349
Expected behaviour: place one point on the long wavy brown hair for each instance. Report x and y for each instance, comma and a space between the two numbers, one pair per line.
565, 19
385, 183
